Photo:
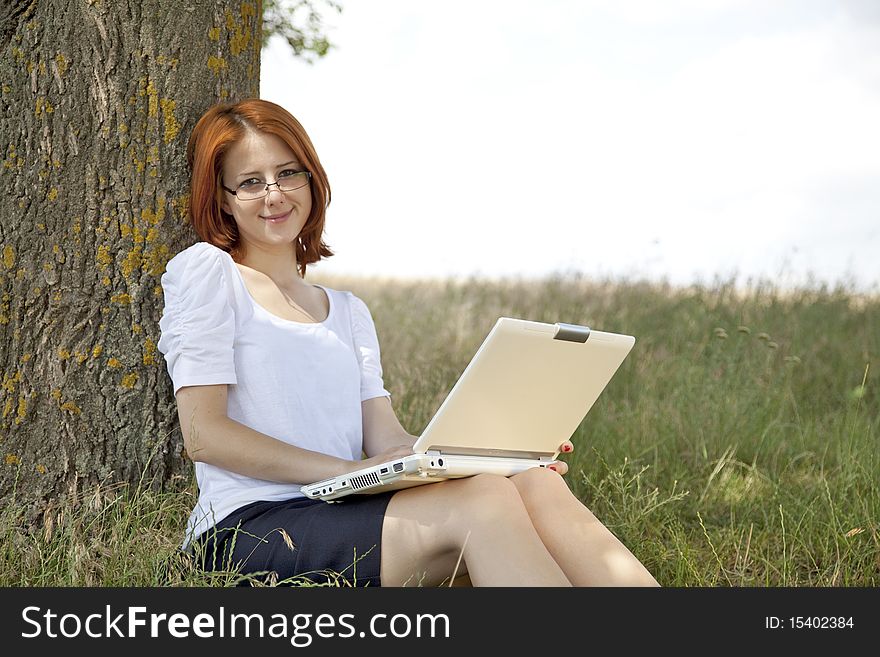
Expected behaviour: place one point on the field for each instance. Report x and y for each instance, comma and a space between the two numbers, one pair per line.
736, 446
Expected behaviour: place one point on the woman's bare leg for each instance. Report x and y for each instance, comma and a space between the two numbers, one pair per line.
588, 553
426, 528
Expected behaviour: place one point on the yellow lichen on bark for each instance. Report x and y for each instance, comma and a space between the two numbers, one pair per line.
154, 217
152, 99
242, 32
155, 259
43, 107
132, 262
182, 205
10, 381
103, 257
168, 61
71, 407
216, 64
61, 64
21, 413
149, 352
172, 127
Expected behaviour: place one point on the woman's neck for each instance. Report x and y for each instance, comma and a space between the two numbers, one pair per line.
280, 265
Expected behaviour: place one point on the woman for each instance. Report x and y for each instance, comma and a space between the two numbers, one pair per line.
279, 382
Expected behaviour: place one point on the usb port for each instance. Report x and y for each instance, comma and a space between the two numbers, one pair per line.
383, 471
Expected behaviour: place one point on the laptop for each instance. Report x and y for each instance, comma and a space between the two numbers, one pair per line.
525, 392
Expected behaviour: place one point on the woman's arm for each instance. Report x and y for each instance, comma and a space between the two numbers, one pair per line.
382, 429
210, 436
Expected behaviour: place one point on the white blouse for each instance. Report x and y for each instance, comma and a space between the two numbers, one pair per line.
302, 383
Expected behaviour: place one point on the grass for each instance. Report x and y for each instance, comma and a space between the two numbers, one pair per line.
736, 446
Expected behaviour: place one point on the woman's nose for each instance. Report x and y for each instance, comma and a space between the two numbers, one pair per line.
274, 193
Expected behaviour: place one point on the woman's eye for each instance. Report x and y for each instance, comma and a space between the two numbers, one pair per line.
250, 181
287, 173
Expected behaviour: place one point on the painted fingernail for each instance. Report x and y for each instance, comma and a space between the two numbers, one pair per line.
566, 448
552, 467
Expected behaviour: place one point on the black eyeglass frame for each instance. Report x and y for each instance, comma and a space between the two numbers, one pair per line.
268, 185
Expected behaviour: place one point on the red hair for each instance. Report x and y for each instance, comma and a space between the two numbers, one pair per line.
220, 127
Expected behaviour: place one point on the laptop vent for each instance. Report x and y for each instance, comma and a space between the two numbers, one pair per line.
362, 481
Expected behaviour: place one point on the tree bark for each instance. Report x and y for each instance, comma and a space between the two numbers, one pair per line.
98, 98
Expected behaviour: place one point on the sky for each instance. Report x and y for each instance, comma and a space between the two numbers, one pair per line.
682, 141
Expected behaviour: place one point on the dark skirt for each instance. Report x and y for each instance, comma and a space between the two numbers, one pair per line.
300, 541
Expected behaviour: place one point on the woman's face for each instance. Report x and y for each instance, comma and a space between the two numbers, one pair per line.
274, 221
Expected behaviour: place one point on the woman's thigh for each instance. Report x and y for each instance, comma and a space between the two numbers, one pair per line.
426, 527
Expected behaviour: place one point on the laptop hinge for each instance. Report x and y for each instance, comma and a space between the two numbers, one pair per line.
441, 451
572, 332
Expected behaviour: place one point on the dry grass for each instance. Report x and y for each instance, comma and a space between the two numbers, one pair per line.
737, 445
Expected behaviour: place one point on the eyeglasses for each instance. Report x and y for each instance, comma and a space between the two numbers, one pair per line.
287, 181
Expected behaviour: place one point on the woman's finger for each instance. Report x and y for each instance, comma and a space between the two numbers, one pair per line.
559, 466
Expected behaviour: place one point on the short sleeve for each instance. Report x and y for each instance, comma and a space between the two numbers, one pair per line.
366, 344
197, 329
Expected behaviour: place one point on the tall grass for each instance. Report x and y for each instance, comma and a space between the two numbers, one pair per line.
736, 446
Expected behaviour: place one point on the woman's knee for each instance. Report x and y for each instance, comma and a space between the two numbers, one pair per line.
483, 496
541, 486
493, 489
459, 505
454, 500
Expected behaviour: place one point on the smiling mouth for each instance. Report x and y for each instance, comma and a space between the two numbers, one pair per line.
276, 218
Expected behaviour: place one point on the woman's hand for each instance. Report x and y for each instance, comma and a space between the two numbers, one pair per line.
561, 466
390, 454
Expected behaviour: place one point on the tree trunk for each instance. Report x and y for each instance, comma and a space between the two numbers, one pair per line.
98, 99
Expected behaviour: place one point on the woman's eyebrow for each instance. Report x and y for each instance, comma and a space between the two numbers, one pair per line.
277, 166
